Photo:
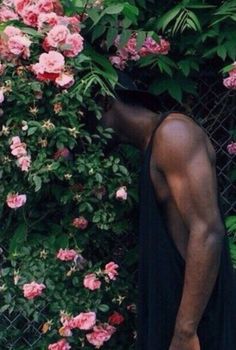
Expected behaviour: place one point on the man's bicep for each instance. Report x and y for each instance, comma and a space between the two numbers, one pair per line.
193, 187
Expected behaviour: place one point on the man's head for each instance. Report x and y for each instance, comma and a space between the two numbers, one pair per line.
128, 112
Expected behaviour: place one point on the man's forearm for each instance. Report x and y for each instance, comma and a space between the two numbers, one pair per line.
201, 270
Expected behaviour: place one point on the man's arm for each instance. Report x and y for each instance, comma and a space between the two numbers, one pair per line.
181, 154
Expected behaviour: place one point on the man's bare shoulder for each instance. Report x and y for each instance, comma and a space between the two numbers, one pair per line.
179, 127
178, 138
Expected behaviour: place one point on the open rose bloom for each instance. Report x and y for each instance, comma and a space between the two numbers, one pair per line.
100, 334
91, 282
33, 290
16, 201
60, 345
230, 82
111, 270
67, 254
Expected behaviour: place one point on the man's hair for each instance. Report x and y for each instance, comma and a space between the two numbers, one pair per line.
141, 99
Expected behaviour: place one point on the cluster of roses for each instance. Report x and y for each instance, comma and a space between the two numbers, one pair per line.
18, 149
15, 200
100, 332
28, 11
60, 34
130, 51
230, 82
14, 44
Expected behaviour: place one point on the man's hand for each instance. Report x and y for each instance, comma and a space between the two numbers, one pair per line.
185, 343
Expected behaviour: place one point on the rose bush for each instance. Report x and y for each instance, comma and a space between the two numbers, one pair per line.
67, 202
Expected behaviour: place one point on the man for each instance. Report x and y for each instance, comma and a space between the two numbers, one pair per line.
187, 294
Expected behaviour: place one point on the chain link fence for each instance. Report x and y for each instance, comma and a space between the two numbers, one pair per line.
215, 109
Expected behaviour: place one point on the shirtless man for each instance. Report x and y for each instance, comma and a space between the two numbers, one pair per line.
182, 171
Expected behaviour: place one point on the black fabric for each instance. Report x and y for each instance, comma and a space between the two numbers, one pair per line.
161, 277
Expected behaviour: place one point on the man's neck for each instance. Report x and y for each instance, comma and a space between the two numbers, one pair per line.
135, 125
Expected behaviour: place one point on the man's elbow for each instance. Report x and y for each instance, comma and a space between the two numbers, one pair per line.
209, 233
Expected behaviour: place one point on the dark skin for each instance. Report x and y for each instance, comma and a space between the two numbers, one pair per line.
182, 170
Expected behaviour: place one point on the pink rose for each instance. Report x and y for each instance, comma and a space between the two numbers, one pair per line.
65, 331
24, 163
231, 148
1, 96
57, 35
164, 47
66, 254
18, 148
153, 47
33, 289
19, 152
121, 193
15, 140
131, 46
110, 270
85, 320
12, 31
30, 15
45, 19
7, 14
19, 45
91, 282
100, 334
45, 5
65, 80
230, 82
62, 153
21, 4
52, 62
75, 44
118, 62
60, 345
15, 201
80, 223
50, 66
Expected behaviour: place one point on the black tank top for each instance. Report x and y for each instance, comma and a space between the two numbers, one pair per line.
161, 278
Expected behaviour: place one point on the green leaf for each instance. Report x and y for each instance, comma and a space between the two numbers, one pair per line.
98, 31
221, 52
159, 86
168, 17
93, 14
32, 130
175, 90
124, 37
37, 182
230, 223
195, 20
32, 32
111, 36
140, 39
114, 9
184, 66
131, 12
103, 307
